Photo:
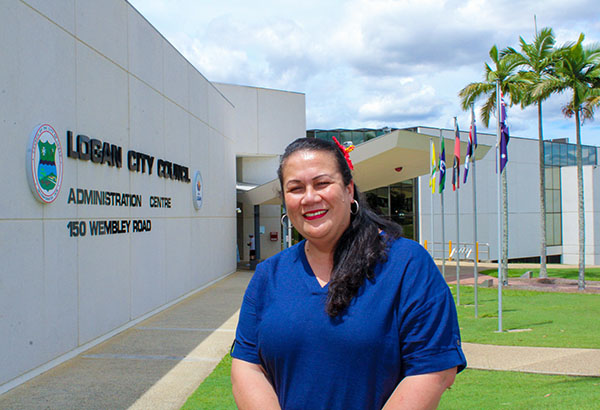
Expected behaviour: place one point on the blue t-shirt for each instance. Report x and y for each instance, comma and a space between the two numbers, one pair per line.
402, 322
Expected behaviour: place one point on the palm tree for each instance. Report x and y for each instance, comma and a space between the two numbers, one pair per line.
538, 60
510, 85
577, 71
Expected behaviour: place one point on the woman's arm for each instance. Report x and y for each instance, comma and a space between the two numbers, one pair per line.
420, 392
251, 388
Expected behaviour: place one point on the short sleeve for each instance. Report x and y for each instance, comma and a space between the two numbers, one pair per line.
429, 330
245, 346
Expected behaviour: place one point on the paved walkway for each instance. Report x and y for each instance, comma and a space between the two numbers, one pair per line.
160, 362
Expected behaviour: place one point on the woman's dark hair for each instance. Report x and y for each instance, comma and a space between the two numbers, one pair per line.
361, 246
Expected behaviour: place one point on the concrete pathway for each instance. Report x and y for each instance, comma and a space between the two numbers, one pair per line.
161, 361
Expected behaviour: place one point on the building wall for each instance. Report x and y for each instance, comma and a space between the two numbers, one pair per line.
523, 204
100, 69
570, 216
266, 121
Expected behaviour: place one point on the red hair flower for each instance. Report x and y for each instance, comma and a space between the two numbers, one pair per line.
345, 151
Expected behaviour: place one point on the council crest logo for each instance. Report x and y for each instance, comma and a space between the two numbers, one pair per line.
197, 190
44, 163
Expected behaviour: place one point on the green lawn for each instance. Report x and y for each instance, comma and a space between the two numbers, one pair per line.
590, 273
473, 389
215, 392
555, 319
483, 389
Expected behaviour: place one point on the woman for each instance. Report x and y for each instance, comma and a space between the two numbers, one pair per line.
353, 317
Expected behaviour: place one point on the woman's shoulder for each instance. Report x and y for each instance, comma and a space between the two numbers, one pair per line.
268, 271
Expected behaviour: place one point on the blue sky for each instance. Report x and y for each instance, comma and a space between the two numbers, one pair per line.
372, 63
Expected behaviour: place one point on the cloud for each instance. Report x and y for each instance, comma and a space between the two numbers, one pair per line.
372, 63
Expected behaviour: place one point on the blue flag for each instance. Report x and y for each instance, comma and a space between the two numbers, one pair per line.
442, 168
504, 137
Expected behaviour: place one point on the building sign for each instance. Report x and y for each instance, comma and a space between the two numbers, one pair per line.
44, 163
197, 190
45, 172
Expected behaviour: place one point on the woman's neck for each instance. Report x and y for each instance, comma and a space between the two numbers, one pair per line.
320, 259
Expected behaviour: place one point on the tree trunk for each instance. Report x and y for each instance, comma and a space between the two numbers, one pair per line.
543, 271
580, 210
505, 226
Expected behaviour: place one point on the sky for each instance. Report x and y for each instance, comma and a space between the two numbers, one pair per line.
374, 63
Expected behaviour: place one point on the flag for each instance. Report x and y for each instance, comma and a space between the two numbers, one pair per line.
456, 166
442, 168
471, 145
432, 169
503, 135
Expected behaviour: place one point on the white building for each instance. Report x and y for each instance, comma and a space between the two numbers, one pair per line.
117, 234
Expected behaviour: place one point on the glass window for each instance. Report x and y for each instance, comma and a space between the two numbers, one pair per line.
378, 201
547, 153
345, 136
556, 205
557, 229
549, 229
588, 155
556, 178
549, 201
369, 135
548, 181
556, 154
572, 155
358, 137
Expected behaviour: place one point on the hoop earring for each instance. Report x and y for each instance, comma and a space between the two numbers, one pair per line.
354, 202
285, 216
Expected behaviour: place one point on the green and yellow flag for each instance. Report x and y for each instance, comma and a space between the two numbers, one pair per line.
432, 169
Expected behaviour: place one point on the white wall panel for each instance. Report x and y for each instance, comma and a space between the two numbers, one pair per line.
103, 26
59, 324
145, 51
245, 100
176, 84
198, 94
60, 12
278, 114
148, 269
104, 285
177, 151
21, 296
178, 256
31, 97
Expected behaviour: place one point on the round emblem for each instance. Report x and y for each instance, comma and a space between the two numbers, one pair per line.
197, 190
44, 163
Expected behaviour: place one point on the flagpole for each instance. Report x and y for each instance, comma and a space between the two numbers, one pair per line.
442, 216
475, 272
432, 182
498, 160
457, 222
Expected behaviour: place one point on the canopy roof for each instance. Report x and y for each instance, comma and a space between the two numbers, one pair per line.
385, 160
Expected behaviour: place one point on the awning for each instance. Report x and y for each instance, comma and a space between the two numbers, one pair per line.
385, 160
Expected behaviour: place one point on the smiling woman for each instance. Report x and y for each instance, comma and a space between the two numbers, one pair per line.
353, 317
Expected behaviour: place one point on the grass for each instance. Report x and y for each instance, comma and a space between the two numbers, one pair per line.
473, 389
572, 273
484, 389
215, 392
555, 319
